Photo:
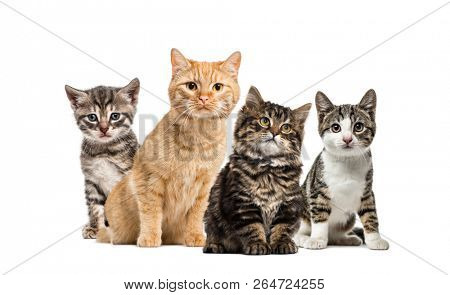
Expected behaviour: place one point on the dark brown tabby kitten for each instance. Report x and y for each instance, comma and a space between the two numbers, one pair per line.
339, 183
254, 206
104, 116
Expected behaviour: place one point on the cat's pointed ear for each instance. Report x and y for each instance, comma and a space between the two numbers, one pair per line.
178, 60
369, 102
323, 104
131, 91
301, 113
231, 65
75, 96
254, 98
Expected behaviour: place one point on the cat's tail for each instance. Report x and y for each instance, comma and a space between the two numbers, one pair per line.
103, 234
358, 231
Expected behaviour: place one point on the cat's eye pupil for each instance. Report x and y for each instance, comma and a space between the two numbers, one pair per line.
286, 128
335, 128
191, 85
115, 116
92, 117
264, 121
359, 127
218, 86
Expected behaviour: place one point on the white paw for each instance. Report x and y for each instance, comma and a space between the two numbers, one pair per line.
315, 243
378, 244
300, 240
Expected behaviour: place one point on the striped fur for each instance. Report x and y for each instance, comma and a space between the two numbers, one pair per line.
339, 183
255, 202
108, 145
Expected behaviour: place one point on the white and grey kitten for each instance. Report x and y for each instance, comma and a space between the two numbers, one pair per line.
339, 183
104, 116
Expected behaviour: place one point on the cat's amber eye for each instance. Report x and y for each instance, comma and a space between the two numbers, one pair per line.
217, 87
115, 116
264, 121
191, 85
92, 117
286, 128
336, 128
359, 127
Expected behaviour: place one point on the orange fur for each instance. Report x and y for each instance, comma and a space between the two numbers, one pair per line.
163, 198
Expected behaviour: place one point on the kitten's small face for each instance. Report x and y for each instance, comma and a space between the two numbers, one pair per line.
104, 113
204, 89
267, 129
347, 130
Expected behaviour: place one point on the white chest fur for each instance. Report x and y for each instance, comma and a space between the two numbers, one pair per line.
104, 173
346, 180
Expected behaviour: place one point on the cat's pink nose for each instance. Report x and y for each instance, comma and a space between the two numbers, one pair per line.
104, 127
203, 99
347, 139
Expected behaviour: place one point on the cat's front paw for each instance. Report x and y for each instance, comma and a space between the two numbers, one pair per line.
300, 240
315, 243
195, 240
215, 248
284, 247
89, 232
378, 244
149, 240
257, 248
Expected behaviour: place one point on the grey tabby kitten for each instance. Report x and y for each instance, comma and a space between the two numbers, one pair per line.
340, 180
254, 206
104, 116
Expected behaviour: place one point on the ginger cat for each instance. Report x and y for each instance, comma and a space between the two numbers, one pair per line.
164, 197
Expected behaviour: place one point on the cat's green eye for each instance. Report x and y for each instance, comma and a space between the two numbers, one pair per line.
92, 117
264, 121
115, 116
286, 128
191, 85
217, 87
359, 127
336, 128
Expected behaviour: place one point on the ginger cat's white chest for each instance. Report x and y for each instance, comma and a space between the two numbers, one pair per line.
346, 181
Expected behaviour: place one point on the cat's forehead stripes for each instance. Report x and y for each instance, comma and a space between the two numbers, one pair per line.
276, 112
101, 96
342, 112
205, 71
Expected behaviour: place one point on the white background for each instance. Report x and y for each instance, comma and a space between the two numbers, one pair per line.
286, 47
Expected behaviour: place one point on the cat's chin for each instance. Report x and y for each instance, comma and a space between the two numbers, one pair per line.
269, 148
347, 151
100, 139
205, 114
